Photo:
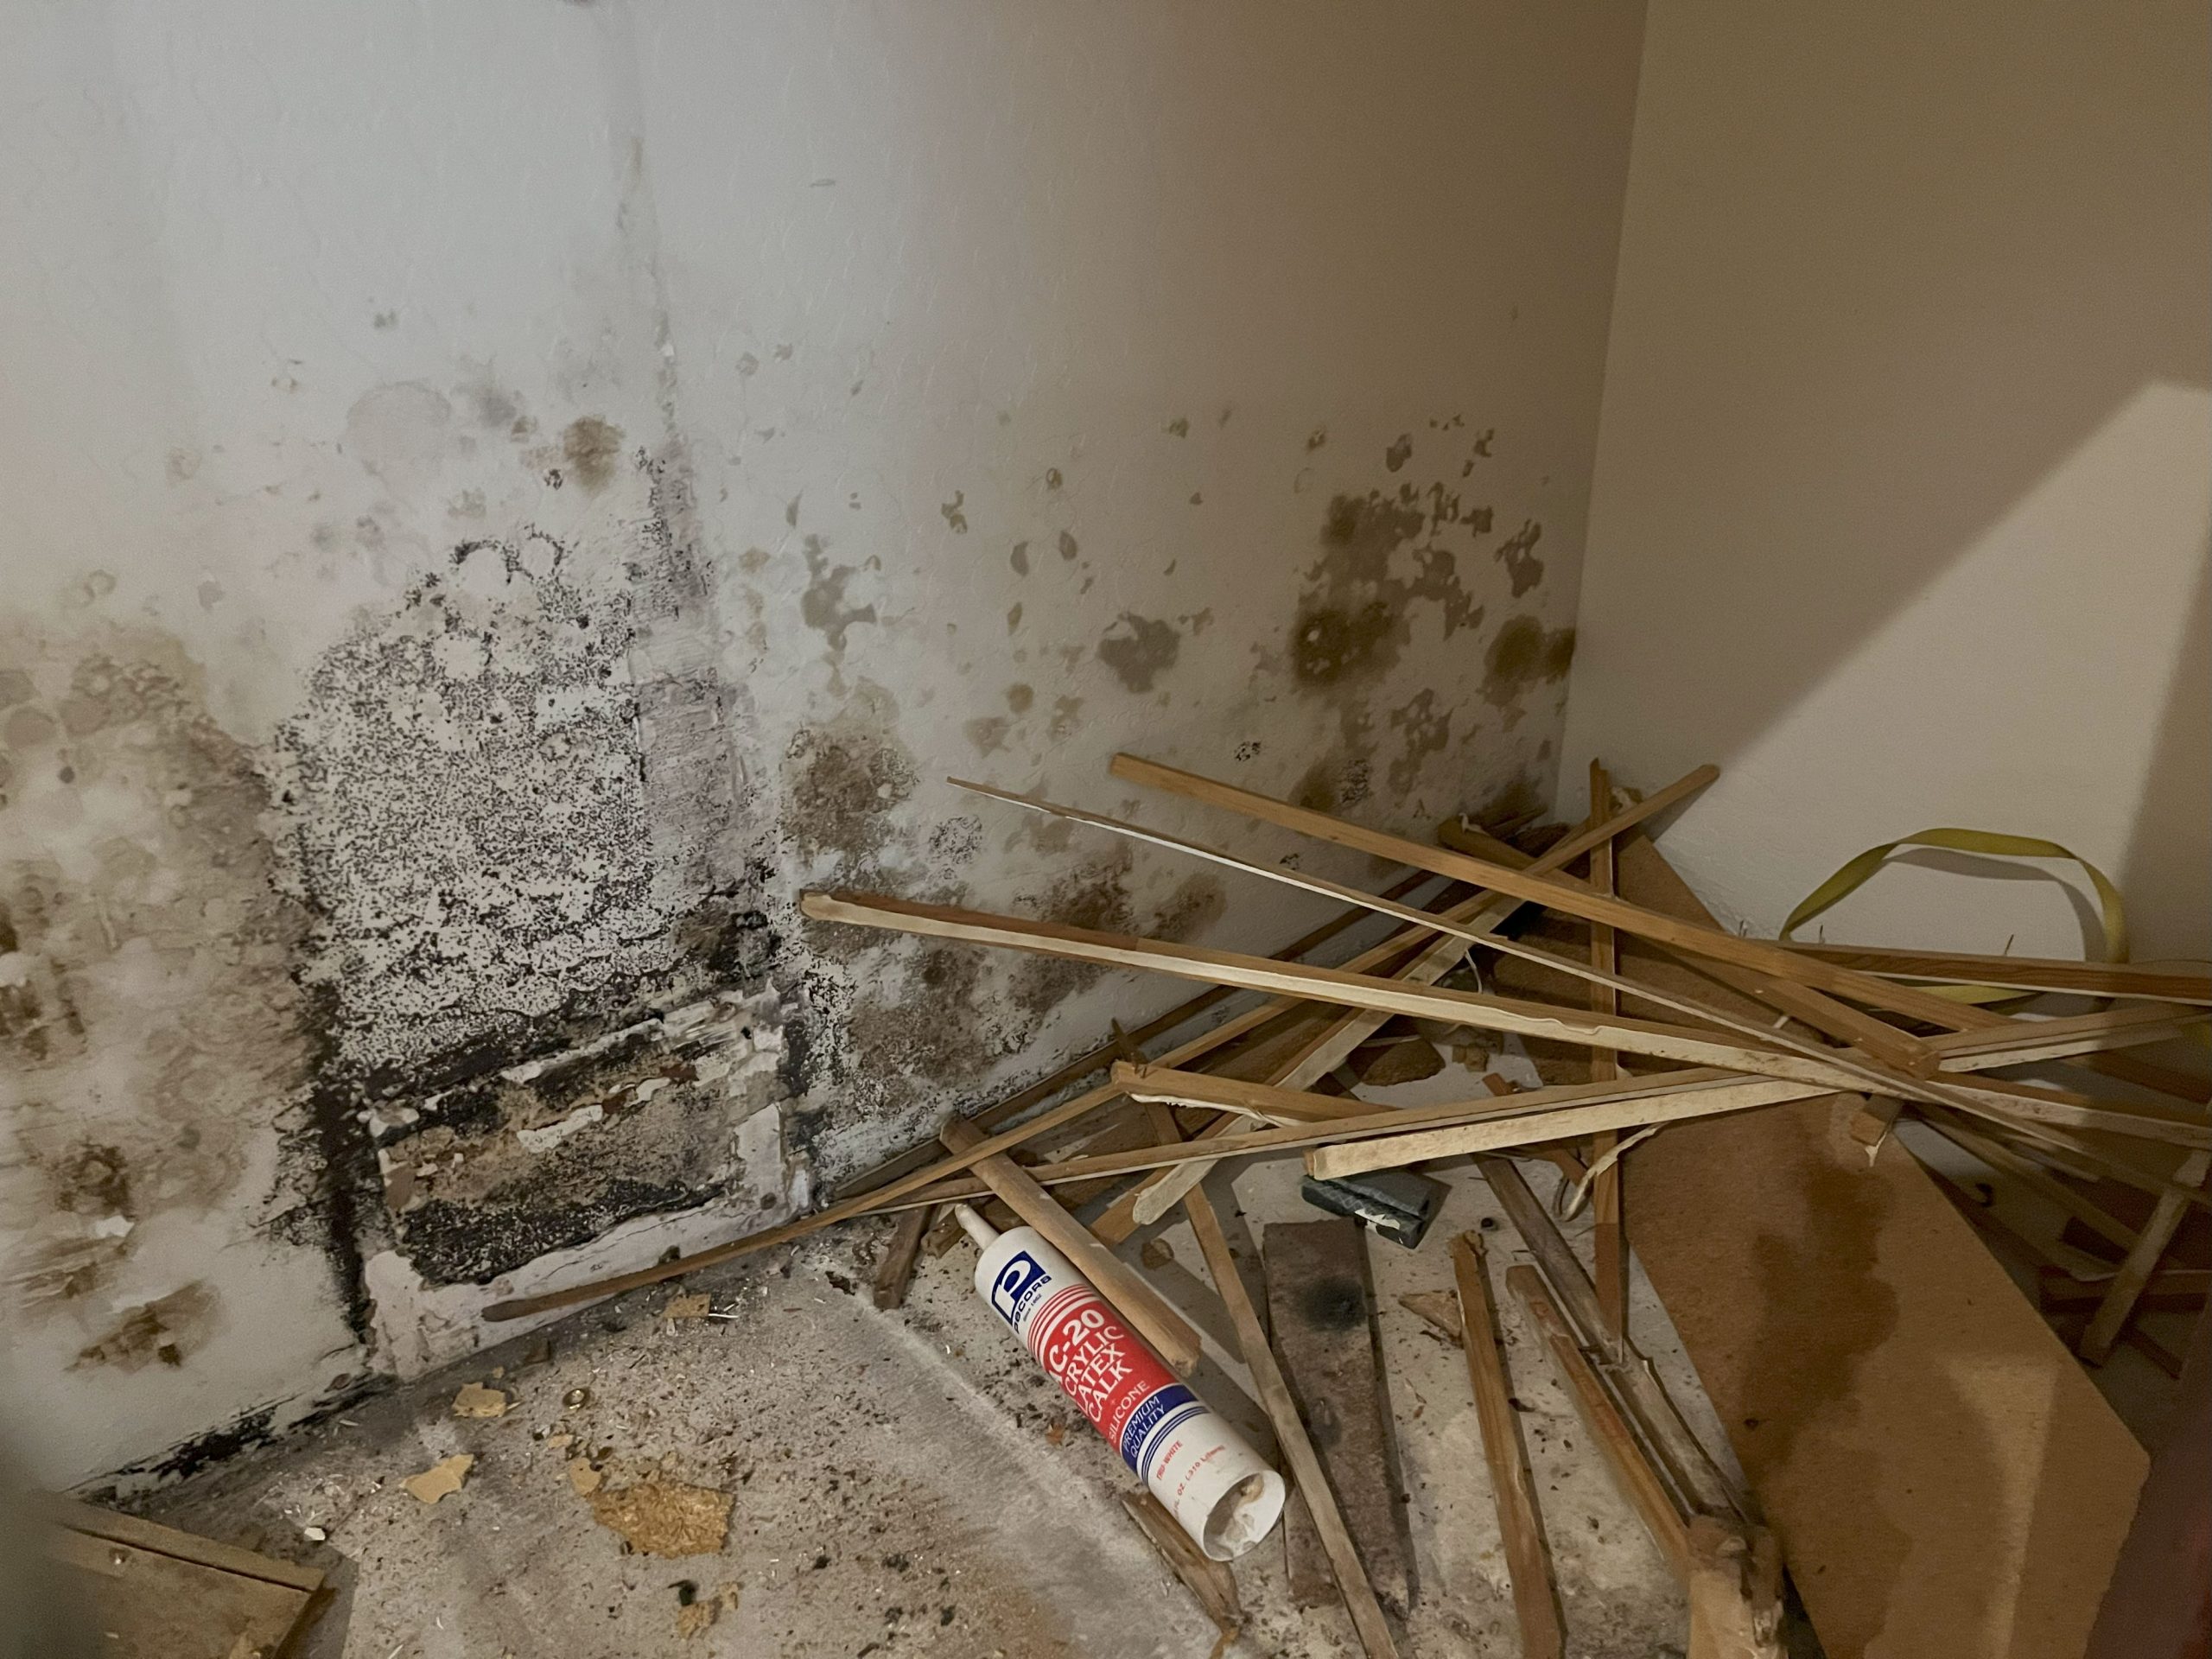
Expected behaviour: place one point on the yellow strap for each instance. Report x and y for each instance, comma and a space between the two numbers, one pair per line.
1855, 874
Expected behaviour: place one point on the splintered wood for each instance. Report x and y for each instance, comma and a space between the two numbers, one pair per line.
1741, 1115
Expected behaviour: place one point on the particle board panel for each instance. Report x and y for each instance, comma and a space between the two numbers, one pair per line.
1946, 1481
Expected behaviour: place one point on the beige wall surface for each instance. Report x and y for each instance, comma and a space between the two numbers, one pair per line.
1901, 503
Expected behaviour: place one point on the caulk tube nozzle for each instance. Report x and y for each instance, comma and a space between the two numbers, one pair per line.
975, 1226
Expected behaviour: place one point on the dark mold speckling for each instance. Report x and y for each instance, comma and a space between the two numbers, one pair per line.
845, 778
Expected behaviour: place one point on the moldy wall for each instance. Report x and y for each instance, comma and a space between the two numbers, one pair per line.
499, 501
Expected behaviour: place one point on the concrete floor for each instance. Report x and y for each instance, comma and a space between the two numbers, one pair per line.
903, 1481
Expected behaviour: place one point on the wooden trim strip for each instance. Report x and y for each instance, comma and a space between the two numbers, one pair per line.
2156, 981
1852, 1025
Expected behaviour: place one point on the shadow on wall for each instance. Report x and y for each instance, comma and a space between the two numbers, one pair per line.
1904, 426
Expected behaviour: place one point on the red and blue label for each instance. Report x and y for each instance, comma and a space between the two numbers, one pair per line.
1119, 1383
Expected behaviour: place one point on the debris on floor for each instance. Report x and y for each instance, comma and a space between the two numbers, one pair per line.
477, 1399
1554, 1086
659, 1516
441, 1479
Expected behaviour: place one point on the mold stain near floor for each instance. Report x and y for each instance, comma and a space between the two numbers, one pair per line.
153, 1035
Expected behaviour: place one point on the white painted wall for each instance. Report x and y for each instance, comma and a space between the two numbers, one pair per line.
1901, 502
836, 396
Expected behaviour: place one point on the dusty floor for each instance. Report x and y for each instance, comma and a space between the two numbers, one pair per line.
903, 1481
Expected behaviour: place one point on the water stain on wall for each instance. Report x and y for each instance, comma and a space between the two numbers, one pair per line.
1425, 729
844, 779
152, 1035
165, 1331
591, 452
1356, 611
1140, 649
1517, 553
822, 605
1524, 655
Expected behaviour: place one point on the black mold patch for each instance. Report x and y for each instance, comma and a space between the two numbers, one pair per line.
1093, 895
188, 1458
1517, 553
154, 1031
1424, 728
1524, 655
1355, 616
843, 780
1140, 649
1333, 1304
823, 606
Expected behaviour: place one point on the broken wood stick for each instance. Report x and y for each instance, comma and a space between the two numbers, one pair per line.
1633, 1470
1153, 1199
1572, 1122
1209, 1582
2113, 1313
1170, 1335
1701, 1486
1990, 1097
1863, 1030
1528, 1556
1735, 1585
896, 1268
1297, 1446
1608, 1242
2044, 1186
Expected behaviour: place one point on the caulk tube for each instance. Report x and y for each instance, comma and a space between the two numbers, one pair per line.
1212, 1483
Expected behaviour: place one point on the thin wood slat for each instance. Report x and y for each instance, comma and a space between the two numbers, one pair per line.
896, 1268
1634, 1474
1989, 1097
1702, 1487
1152, 1200
1608, 1240
1171, 1336
1875, 1036
1117, 1047
2154, 981
1528, 1554
1209, 1582
2112, 1315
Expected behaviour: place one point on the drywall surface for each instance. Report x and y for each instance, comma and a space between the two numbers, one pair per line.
1901, 507
500, 498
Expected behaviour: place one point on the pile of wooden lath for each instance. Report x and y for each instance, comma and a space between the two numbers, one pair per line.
1912, 1430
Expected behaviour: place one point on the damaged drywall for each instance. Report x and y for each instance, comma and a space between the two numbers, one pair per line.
454, 616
